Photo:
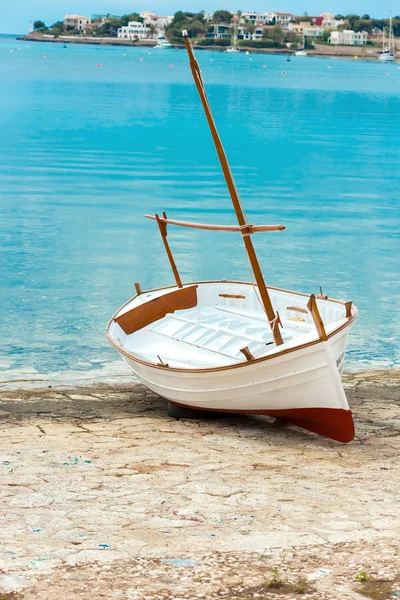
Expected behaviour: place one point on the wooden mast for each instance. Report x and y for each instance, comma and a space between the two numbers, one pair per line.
245, 227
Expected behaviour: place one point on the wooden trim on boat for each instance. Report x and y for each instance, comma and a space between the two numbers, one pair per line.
246, 351
297, 309
319, 324
248, 228
134, 358
223, 281
237, 296
138, 288
348, 306
162, 224
144, 314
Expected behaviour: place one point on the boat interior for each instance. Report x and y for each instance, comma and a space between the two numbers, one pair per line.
214, 324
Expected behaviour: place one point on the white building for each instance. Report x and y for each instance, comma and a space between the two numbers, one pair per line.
76, 22
283, 19
329, 21
256, 35
267, 18
159, 22
348, 37
134, 31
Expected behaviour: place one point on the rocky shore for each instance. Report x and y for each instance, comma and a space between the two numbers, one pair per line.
104, 495
321, 50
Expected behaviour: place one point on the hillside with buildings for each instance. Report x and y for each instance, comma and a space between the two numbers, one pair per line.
326, 33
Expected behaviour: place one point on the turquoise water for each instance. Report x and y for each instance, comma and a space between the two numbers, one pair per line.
85, 151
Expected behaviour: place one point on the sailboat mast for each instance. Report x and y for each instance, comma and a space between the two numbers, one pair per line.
266, 300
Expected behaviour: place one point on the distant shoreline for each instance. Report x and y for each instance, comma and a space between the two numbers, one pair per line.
321, 51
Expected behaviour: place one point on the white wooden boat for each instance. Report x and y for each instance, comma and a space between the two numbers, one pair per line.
239, 347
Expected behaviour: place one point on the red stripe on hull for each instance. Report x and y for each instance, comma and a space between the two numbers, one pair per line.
334, 423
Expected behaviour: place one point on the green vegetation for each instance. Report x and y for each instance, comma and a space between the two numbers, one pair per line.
222, 16
365, 23
276, 581
38, 25
363, 576
302, 585
194, 23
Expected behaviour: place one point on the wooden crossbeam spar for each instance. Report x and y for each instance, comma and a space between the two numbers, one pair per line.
247, 229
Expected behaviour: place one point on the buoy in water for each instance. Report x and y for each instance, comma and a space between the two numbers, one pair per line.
247, 51
140, 58
283, 72
264, 66
329, 67
387, 74
356, 57
124, 54
11, 51
98, 66
171, 65
44, 57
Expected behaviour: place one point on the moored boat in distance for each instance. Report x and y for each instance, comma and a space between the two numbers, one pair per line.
162, 44
234, 49
388, 53
241, 347
302, 51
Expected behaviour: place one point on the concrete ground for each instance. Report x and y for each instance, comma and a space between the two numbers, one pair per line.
104, 495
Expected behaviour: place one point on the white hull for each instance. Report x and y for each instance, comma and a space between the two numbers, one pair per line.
232, 50
386, 57
300, 53
299, 381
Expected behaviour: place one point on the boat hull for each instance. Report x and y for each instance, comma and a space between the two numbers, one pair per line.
303, 387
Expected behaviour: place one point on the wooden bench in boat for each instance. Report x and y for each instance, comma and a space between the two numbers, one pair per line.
156, 309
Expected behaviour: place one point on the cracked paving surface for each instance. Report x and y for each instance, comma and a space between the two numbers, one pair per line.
98, 486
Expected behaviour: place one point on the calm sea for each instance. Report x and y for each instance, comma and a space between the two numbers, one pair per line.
86, 150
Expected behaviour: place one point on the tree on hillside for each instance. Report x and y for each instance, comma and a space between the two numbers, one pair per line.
366, 18
57, 27
339, 17
352, 19
362, 25
193, 22
249, 26
276, 34
125, 19
222, 16
39, 25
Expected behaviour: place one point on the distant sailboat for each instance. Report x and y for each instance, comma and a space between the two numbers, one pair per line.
387, 54
302, 51
233, 48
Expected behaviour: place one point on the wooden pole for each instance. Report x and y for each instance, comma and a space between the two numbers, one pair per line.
266, 300
251, 228
163, 230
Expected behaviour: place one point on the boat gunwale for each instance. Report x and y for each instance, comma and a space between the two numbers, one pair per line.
135, 358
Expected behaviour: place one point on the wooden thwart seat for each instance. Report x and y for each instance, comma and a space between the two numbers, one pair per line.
157, 309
